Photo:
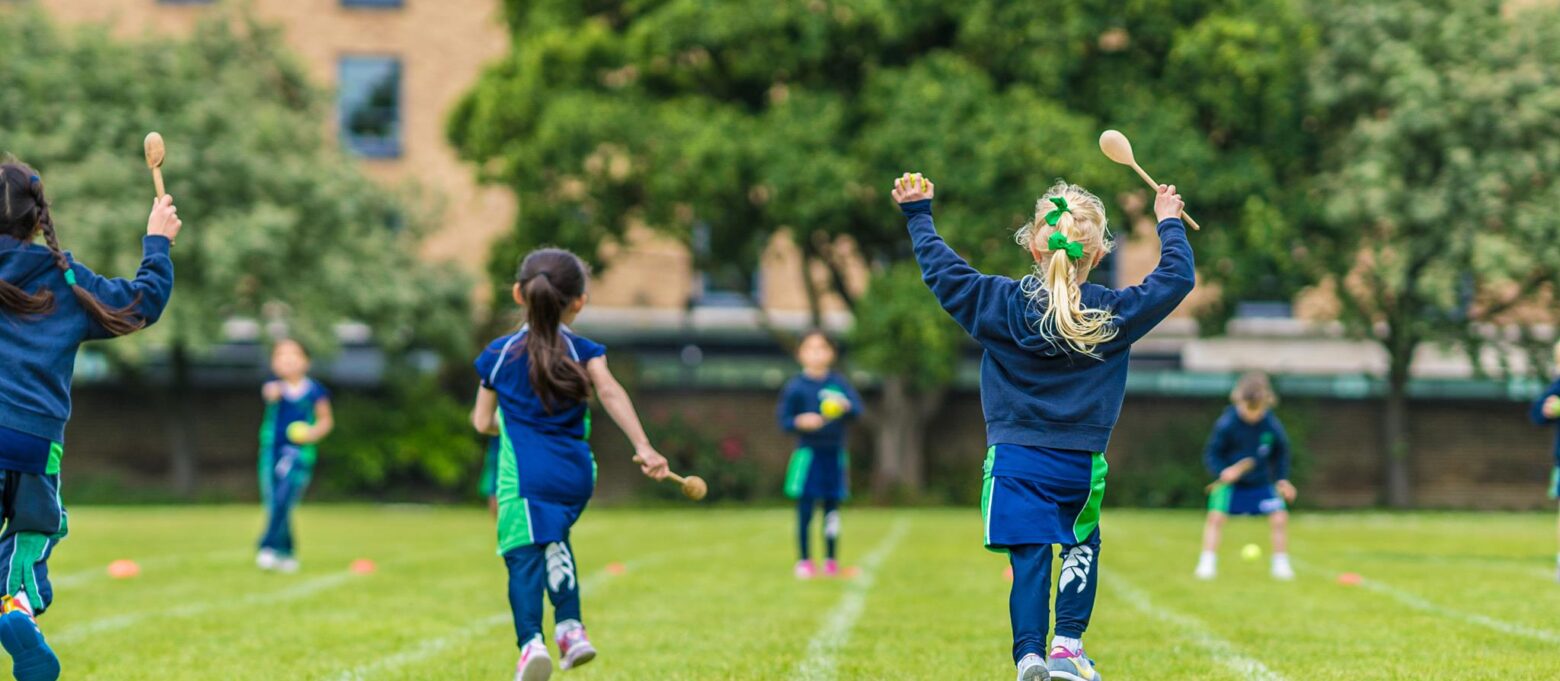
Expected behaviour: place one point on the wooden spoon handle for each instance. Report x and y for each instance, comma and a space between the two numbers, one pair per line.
158, 181
1155, 186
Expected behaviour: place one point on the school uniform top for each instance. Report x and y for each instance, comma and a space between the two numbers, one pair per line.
805, 395
1537, 414
1233, 440
38, 352
549, 443
1035, 393
300, 406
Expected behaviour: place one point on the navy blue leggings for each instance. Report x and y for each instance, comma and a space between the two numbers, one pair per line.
534, 568
831, 525
1029, 603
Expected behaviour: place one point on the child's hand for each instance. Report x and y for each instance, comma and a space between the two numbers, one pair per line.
164, 220
910, 188
1286, 490
651, 463
809, 422
1552, 407
1167, 203
271, 391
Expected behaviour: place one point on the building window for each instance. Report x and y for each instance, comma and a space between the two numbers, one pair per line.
370, 105
392, 4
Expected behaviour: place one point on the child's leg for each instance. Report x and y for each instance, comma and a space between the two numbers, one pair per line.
804, 513
1076, 588
527, 570
37, 524
563, 586
1029, 603
1212, 531
278, 509
831, 526
1279, 522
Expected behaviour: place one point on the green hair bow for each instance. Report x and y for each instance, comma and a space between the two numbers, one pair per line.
1055, 215
1059, 242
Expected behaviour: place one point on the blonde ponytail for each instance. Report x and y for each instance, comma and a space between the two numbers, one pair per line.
1064, 250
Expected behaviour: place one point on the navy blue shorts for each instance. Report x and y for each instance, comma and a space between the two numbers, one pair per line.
1038, 495
1245, 500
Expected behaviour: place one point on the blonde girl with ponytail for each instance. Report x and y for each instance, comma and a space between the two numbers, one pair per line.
1052, 378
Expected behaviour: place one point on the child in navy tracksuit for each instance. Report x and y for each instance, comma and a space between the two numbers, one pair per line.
1546, 411
49, 305
1248, 453
536, 386
297, 417
816, 406
1052, 379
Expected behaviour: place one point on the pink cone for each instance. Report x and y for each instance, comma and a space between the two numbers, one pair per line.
123, 569
363, 566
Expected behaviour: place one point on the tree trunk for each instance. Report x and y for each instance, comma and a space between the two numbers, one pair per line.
1397, 463
180, 420
899, 470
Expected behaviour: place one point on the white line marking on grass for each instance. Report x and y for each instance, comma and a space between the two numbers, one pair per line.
1419, 603
116, 622
1223, 652
819, 663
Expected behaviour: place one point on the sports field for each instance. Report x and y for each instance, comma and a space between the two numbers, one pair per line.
708, 594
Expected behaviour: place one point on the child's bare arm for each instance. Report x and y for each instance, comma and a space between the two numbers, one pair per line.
484, 416
621, 408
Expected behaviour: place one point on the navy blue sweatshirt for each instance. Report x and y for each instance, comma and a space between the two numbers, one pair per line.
805, 395
1233, 439
1035, 393
38, 353
1537, 414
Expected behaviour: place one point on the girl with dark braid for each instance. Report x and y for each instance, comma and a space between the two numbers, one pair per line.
49, 305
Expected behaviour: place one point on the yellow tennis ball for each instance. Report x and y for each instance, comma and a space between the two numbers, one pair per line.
832, 408
1251, 552
297, 431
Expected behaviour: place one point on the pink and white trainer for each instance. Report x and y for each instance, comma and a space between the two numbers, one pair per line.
805, 569
534, 663
574, 647
831, 568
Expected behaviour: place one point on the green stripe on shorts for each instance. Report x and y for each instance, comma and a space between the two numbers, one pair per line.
514, 512
1089, 518
1219, 499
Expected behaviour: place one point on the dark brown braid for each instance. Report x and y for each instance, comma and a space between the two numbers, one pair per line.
15, 212
117, 321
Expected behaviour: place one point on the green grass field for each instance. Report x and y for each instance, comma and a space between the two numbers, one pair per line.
708, 594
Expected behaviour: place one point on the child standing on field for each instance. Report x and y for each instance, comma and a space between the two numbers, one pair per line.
1053, 375
1546, 411
49, 305
297, 417
817, 406
1248, 453
536, 387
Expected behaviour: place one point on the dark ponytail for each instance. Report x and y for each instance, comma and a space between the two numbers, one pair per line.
551, 280
26, 212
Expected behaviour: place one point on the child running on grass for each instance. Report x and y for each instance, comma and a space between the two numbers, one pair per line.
1248, 453
297, 417
1053, 374
1546, 411
816, 406
49, 305
536, 387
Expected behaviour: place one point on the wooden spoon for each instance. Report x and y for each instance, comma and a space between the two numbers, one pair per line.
155, 152
1118, 149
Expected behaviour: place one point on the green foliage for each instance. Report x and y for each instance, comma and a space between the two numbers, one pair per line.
726, 463
1437, 191
749, 118
898, 313
414, 436
278, 224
